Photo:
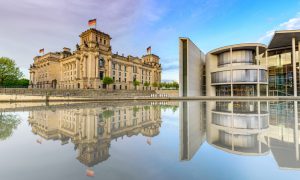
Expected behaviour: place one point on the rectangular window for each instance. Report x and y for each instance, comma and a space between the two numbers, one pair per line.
101, 75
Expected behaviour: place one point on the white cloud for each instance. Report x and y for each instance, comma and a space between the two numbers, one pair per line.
28, 25
291, 24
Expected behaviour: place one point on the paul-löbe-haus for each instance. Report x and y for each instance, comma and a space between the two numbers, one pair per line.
93, 60
249, 69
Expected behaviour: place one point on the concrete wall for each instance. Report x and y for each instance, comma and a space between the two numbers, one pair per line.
211, 65
192, 128
190, 68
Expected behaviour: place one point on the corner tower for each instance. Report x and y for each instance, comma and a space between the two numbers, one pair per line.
94, 38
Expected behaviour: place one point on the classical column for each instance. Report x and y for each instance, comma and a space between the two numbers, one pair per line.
85, 66
294, 65
97, 66
77, 68
90, 66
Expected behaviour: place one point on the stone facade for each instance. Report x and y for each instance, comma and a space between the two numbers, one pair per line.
93, 60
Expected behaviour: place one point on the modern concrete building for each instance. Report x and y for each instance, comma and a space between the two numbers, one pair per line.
248, 69
86, 67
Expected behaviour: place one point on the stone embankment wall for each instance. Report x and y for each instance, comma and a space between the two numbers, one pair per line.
74, 92
169, 93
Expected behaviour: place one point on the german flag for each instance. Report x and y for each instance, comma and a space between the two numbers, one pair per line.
41, 50
92, 22
149, 50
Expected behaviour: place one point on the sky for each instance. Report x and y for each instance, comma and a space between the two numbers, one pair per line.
29, 25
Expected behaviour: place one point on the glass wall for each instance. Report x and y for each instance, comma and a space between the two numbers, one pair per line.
241, 121
241, 106
244, 75
239, 75
221, 77
224, 90
238, 57
244, 90
280, 73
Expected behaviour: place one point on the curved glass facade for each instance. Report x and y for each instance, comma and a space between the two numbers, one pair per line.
241, 121
238, 57
239, 75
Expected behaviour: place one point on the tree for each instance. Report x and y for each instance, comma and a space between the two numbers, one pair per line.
136, 83
175, 85
146, 84
107, 80
8, 71
155, 84
8, 122
23, 82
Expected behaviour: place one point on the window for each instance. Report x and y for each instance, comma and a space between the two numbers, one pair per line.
101, 75
101, 62
114, 66
120, 67
124, 67
104, 41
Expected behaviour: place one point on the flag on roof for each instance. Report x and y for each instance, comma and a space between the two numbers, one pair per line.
41, 50
92, 22
149, 50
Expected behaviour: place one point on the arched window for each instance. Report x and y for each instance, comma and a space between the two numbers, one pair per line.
101, 62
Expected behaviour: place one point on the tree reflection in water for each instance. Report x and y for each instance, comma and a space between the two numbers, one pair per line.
8, 123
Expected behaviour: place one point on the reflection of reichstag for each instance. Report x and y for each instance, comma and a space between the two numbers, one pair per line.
243, 128
92, 129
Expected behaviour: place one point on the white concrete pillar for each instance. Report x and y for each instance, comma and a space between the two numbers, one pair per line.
258, 74
267, 67
299, 59
296, 130
231, 73
294, 65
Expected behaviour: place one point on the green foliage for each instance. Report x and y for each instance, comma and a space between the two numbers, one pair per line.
171, 85
107, 114
135, 110
136, 83
107, 80
17, 83
9, 73
155, 84
146, 84
8, 122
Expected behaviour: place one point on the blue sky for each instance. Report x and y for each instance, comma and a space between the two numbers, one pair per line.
28, 25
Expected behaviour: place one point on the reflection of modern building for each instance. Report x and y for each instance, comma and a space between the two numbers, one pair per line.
92, 129
284, 134
243, 128
192, 128
238, 127
249, 69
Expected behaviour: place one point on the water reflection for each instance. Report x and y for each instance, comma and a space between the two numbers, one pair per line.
92, 128
248, 128
243, 128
